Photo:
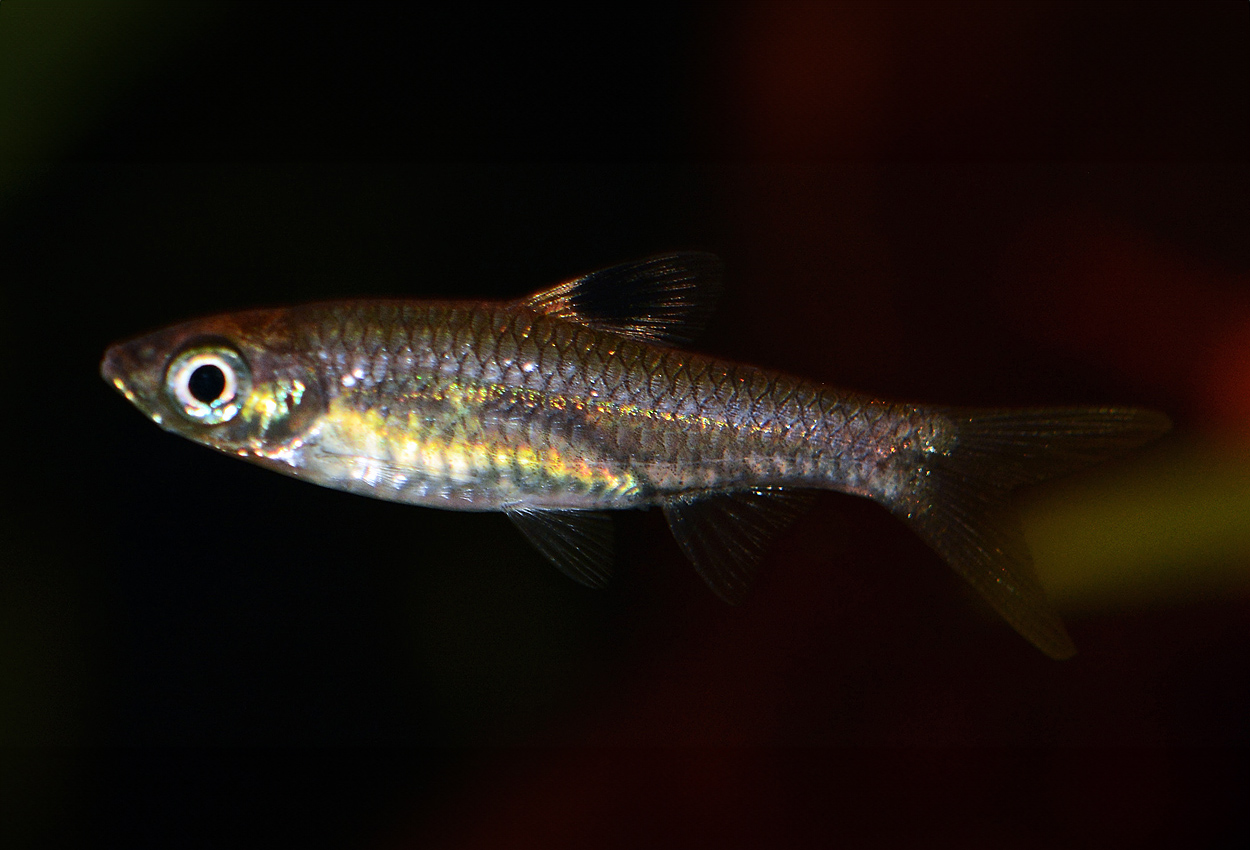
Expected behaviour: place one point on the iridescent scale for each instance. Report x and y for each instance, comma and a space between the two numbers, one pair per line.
486, 406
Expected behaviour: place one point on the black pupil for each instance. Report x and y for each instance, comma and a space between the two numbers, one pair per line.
207, 383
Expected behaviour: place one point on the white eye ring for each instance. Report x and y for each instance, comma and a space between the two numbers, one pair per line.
234, 377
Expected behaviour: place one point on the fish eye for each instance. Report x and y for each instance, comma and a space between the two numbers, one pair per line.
206, 383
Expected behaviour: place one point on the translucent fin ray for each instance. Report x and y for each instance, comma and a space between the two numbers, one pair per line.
666, 299
980, 537
1007, 448
579, 543
726, 535
960, 507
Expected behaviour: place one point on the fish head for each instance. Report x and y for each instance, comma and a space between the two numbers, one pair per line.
233, 382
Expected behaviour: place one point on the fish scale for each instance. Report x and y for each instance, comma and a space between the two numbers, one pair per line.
577, 400
664, 419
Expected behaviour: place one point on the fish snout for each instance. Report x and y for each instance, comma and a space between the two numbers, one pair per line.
128, 368
110, 366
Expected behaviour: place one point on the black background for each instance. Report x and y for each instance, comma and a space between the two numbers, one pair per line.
202, 653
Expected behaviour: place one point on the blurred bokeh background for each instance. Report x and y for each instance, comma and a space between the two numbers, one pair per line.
1011, 204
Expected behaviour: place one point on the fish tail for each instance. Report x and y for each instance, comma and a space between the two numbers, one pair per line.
958, 500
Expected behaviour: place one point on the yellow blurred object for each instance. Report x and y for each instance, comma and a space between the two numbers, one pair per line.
1168, 527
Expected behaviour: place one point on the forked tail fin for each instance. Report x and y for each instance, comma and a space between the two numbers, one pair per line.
960, 508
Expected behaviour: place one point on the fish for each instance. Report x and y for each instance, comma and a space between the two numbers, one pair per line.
583, 399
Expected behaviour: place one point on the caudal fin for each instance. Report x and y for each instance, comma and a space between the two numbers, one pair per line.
960, 507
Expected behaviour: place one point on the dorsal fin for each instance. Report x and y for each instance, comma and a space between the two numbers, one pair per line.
725, 535
578, 542
667, 298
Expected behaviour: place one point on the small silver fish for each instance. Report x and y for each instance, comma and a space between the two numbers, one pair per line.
576, 400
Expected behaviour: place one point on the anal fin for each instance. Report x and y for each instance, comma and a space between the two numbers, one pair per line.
725, 535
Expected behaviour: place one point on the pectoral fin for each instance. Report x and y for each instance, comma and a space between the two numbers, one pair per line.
578, 542
725, 535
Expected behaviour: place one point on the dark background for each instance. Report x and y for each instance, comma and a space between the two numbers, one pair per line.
1026, 203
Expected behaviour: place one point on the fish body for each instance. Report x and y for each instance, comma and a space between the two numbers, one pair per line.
576, 401
494, 407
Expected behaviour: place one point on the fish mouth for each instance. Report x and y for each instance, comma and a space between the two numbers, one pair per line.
109, 365
123, 370
113, 367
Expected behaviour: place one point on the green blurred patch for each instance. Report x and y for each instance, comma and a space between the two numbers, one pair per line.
1168, 527
64, 63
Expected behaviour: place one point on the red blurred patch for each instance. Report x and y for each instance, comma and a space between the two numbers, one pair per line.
1147, 311
1227, 386
805, 79
815, 81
